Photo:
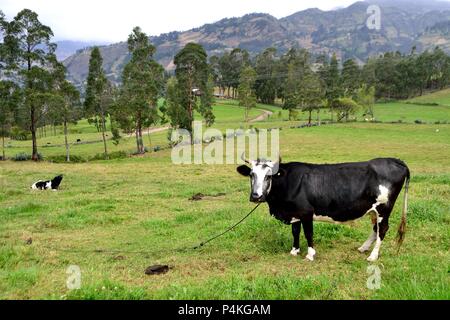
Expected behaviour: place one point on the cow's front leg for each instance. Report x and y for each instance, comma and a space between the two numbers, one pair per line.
296, 227
308, 230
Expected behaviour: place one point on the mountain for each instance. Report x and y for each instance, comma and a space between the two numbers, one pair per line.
404, 24
66, 48
414, 6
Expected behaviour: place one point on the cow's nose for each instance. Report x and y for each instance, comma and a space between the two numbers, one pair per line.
255, 195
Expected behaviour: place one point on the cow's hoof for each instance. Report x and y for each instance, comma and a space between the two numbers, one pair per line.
311, 254
363, 249
372, 258
295, 252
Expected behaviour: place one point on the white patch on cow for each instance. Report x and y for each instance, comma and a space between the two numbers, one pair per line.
260, 172
383, 197
258, 182
311, 254
295, 251
48, 185
366, 245
294, 220
34, 187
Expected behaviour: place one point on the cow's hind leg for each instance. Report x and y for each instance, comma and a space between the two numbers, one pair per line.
373, 236
308, 230
296, 228
381, 227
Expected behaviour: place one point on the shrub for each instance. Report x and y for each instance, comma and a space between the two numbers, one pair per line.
25, 157
21, 157
111, 156
62, 159
432, 104
19, 134
293, 115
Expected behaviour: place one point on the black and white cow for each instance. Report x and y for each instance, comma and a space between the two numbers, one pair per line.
49, 184
298, 193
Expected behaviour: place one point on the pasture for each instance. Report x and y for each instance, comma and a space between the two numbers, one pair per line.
114, 218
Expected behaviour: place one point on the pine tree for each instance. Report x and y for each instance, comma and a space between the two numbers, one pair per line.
350, 78
142, 80
31, 58
311, 94
98, 98
333, 79
247, 96
10, 98
193, 86
291, 90
266, 83
333, 91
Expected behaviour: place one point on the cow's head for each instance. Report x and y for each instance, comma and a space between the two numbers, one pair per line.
261, 174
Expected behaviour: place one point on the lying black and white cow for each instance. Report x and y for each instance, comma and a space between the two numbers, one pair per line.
298, 193
49, 184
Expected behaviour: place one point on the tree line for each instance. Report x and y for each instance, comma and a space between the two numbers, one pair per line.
34, 91
300, 81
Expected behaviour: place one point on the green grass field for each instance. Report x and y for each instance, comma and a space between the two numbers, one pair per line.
440, 97
114, 218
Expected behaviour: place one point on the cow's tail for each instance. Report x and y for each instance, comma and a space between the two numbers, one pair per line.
402, 226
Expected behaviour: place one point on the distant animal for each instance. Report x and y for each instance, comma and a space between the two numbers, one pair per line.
49, 184
298, 193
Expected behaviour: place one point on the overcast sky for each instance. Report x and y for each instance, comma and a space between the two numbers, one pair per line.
113, 20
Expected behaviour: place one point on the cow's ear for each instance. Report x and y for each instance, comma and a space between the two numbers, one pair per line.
244, 170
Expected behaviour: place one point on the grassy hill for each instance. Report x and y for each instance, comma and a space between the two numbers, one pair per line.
441, 97
230, 115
